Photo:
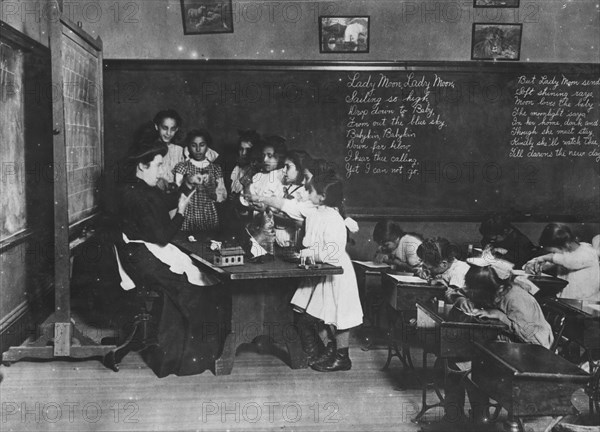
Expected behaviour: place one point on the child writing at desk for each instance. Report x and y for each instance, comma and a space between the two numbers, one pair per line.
399, 249
492, 295
201, 214
441, 266
576, 262
333, 299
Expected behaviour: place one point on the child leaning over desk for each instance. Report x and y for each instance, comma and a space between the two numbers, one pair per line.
399, 249
491, 294
441, 266
576, 262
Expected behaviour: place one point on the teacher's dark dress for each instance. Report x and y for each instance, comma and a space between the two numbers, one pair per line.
189, 317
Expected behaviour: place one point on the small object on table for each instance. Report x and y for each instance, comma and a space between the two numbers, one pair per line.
192, 239
229, 256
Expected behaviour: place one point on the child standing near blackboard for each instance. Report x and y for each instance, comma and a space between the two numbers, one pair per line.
332, 299
201, 214
397, 248
167, 124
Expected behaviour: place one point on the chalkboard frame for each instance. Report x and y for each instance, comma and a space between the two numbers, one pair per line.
373, 212
38, 52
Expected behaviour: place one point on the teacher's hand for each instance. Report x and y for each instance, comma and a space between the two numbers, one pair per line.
184, 201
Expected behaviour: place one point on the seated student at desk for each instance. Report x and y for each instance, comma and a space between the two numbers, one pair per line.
441, 266
399, 248
506, 241
185, 347
489, 288
576, 262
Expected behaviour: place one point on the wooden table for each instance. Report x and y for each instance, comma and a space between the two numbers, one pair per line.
402, 298
582, 323
450, 334
260, 295
526, 379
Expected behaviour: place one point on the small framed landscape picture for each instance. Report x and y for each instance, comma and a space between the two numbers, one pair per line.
206, 16
492, 41
496, 3
344, 34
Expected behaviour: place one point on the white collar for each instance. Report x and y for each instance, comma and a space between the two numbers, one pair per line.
200, 164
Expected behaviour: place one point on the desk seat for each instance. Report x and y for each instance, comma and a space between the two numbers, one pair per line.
527, 380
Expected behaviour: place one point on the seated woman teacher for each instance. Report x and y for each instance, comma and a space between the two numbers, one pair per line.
189, 317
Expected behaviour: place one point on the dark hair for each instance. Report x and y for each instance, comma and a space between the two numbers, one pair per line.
165, 114
248, 135
301, 159
195, 133
278, 145
495, 224
158, 119
143, 152
387, 230
482, 285
331, 187
435, 250
556, 235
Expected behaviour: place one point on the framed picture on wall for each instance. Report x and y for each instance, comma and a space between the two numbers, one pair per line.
492, 41
344, 34
206, 16
496, 3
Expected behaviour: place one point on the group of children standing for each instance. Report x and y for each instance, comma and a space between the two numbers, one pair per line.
306, 196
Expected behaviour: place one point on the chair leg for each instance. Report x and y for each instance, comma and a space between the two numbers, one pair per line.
140, 327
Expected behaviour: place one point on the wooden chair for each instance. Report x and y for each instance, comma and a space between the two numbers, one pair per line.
142, 335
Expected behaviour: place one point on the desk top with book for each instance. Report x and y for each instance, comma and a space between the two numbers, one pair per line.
449, 333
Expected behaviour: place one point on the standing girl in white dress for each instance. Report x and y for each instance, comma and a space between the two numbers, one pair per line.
333, 299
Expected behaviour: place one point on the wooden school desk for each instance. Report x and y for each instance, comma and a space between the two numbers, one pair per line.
368, 274
449, 334
260, 295
527, 380
402, 298
582, 323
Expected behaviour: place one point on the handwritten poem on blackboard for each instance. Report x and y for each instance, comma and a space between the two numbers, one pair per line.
383, 125
555, 116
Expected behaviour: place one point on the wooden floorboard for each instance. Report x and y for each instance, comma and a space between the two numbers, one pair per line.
262, 393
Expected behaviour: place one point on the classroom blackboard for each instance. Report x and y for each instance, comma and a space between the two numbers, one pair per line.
80, 63
12, 139
438, 140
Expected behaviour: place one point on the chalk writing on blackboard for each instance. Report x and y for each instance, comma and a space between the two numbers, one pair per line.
385, 116
555, 116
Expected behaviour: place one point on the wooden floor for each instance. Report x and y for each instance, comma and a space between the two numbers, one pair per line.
262, 393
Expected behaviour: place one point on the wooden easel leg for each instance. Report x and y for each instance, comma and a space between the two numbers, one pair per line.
57, 340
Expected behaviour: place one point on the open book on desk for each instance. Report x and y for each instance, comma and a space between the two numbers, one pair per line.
372, 265
408, 279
